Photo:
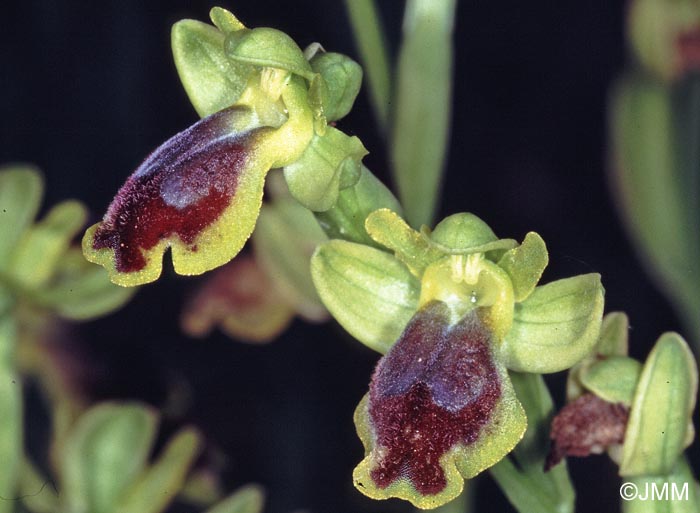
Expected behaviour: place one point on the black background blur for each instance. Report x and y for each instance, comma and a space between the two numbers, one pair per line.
88, 89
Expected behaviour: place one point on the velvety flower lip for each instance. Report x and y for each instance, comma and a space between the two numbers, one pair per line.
180, 189
437, 387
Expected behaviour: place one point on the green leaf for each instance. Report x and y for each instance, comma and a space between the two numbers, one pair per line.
556, 326
161, 482
247, 499
267, 47
370, 293
285, 237
43, 246
655, 173
346, 219
80, 290
211, 80
525, 265
390, 230
104, 454
662, 406
315, 178
369, 38
613, 379
21, 188
422, 106
10, 412
343, 77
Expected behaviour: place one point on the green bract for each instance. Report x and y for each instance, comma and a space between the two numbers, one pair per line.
659, 425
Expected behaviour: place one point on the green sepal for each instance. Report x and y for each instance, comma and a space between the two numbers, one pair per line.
160, 483
103, 455
21, 189
284, 239
267, 47
315, 178
525, 265
346, 219
657, 430
555, 327
41, 248
496, 439
370, 293
465, 234
343, 78
682, 492
391, 231
225, 20
11, 430
211, 80
247, 499
80, 291
613, 379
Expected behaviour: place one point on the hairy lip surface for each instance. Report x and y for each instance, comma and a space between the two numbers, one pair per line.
437, 387
180, 189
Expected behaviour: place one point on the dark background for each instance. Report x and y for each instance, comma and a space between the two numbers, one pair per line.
88, 89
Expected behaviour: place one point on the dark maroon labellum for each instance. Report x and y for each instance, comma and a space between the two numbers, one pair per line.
180, 189
437, 387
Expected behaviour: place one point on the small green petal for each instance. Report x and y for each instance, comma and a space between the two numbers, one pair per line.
285, 237
162, 481
267, 47
465, 233
103, 455
224, 20
247, 499
613, 379
315, 178
390, 230
346, 219
556, 326
614, 335
370, 293
525, 265
21, 189
212, 81
42, 247
663, 403
343, 77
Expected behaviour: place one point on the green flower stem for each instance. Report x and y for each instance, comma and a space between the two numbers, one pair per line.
10, 416
370, 40
522, 478
422, 106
